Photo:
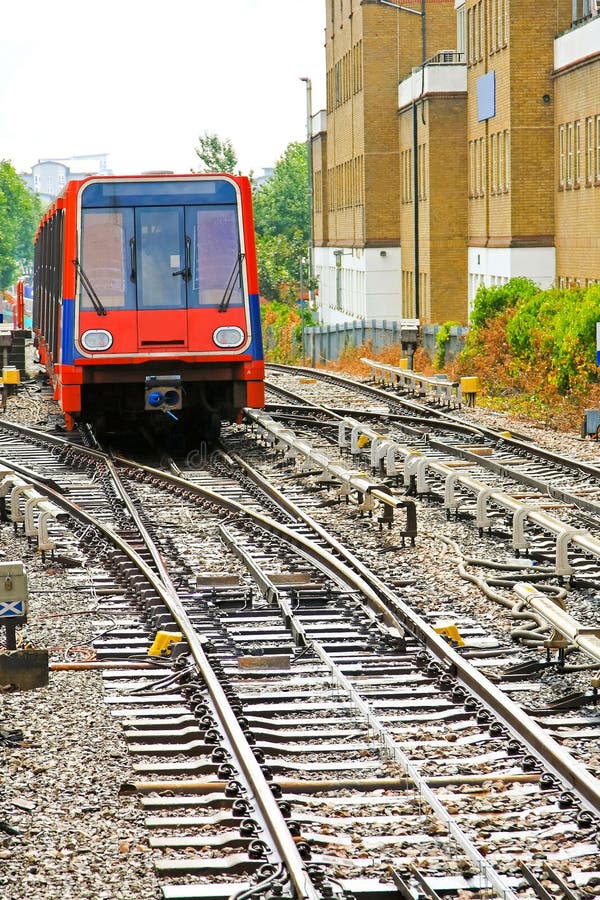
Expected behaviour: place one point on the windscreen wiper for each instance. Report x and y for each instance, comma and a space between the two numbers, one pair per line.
231, 283
89, 289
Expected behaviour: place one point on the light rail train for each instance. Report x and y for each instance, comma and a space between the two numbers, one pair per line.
146, 305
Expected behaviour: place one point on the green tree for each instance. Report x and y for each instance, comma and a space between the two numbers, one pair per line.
281, 206
282, 221
20, 212
216, 154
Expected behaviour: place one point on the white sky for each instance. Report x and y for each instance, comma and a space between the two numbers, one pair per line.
141, 80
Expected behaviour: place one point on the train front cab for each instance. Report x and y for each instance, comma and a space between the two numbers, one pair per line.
164, 301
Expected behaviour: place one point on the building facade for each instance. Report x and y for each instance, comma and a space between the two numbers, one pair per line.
370, 48
577, 154
460, 147
48, 177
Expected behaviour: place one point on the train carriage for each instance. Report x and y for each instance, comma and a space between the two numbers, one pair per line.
146, 306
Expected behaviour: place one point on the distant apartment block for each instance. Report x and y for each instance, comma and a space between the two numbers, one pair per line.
49, 176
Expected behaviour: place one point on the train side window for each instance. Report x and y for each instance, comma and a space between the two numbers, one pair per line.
105, 257
215, 242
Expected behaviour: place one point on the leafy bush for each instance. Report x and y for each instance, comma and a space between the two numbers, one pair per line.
442, 339
282, 330
491, 301
535, 350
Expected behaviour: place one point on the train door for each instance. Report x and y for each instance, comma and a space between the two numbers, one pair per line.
162, 258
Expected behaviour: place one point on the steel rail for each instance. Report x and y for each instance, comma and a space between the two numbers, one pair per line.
585, 637
280, 836
137, 520
511, 439
417, 464
518, 444
401, 616
561, 763
408, 768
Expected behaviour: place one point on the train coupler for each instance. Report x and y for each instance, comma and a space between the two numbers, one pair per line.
163, 393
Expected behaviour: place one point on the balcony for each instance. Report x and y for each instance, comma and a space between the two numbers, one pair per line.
443, 73
581, 42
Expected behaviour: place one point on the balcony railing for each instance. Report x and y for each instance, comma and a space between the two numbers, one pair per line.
443, 58
583, 11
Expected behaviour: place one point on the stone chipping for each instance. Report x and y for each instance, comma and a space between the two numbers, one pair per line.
66, 832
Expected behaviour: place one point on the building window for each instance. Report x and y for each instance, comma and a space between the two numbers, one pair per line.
598, 148
494, 162
471, 168
461, 30
481, 29
483, 148
590, 168
407, 176
424, 297
357, 70
407, 294
469, 36
422, 171
578, 153
562, 160
493, 20
501, 162
480, 164
569, 178
338, 84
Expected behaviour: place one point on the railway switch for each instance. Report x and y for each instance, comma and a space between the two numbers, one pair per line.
449, 631
163, 643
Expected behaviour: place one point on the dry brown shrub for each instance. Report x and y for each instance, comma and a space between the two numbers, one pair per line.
523, 390
350, 359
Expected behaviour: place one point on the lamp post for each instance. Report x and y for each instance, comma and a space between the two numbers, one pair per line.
415, 171
302, 264
311, 270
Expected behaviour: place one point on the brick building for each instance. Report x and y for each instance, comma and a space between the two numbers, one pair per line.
478, 166
577, 153
369, 48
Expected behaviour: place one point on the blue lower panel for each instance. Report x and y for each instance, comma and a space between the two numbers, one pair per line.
257, 347
67, 349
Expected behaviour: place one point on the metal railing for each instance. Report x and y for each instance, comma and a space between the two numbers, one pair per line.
443, 58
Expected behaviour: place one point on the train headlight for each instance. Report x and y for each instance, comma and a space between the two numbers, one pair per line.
97, 339
229, 336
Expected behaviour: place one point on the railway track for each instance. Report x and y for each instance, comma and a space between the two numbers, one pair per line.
310, 735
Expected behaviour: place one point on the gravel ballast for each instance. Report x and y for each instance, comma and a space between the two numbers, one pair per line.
66, 833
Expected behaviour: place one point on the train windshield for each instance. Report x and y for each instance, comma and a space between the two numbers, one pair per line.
106, 234
215, 264
162, 257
